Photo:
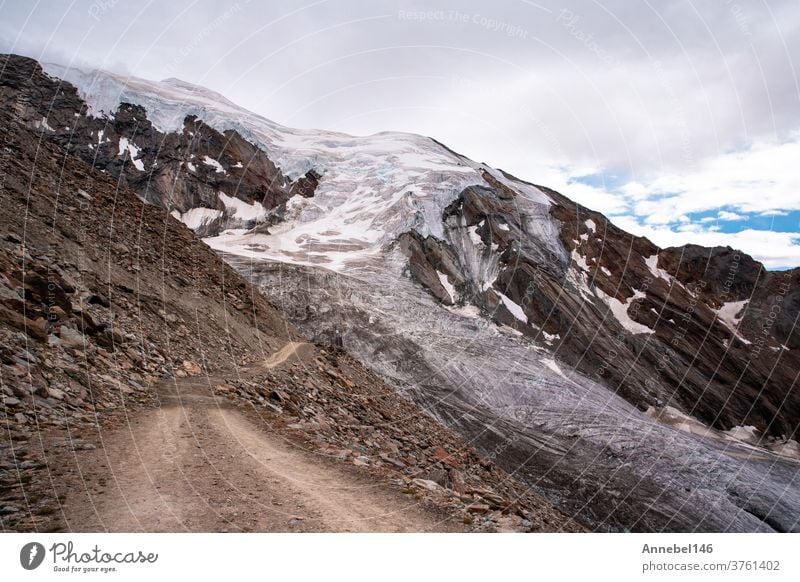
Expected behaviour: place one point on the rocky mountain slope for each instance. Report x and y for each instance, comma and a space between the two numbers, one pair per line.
107, 298
607, 372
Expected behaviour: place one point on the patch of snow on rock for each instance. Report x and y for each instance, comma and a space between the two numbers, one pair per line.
652, 264
133, 152
241, 209
513, 307
197, 217
746, 434
208, 161
447, 286
673, 417
43, 123
474, 236
620, 311
731, 314
549, 338
469, 311
552, 365
789, 449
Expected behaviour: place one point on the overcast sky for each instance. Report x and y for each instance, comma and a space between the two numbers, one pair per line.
679, 119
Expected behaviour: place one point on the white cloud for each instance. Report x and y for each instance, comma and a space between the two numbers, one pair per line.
760, 179
730, 216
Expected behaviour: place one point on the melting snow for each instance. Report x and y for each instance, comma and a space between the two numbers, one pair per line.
197, 217
579, 258
43, 123
469, 311
191, 166
447, 285
673, 417
214, 164
474, 236
552, 365
241, 209
652, 264
514, 308
550, 337
579, 276
747, 434
133, 152
728, 313
620, 311
590, 224
789, 448
488, 283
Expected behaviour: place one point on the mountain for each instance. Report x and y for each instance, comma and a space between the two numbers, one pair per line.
637, 388
126, 343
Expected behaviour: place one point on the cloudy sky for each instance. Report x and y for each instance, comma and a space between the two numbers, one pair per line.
679, 119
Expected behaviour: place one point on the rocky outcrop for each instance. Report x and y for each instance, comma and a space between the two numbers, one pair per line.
220, 179
707, 331
717, 352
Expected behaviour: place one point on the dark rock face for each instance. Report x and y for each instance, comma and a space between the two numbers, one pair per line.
428, 257
306, 185
177, 171
686, 354
707, 365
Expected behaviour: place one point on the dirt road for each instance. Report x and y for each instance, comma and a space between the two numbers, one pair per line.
198, 463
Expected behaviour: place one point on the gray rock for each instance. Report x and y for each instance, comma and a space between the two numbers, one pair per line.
71, 338
427, 484
55, 393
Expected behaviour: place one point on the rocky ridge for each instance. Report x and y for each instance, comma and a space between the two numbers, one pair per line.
219, 178
675, 327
